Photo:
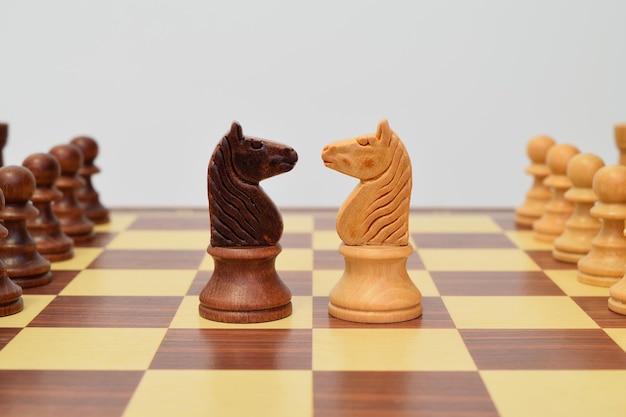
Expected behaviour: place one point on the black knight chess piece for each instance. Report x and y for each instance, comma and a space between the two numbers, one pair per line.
246, 227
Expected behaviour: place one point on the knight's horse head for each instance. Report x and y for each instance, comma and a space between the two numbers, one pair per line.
256, 159
364, 157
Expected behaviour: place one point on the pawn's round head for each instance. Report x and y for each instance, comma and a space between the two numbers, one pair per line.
538, 147
44, 167
582, 168
88, 146
609, 184
17, 183
559, 156
70, 158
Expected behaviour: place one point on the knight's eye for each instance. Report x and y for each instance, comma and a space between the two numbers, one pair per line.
256, 144
362, 141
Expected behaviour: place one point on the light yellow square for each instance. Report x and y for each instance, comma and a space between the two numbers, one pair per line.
55, 348
207, 263
477, 260
294, 260
524, 239
326, 240
513, 312
298, 223
202, 393
390, 350
618, 335
33, 305
117, 223
567, 280
187, 317
82, 258
568, 393
325, 280
452, 223
161, 240
128, 282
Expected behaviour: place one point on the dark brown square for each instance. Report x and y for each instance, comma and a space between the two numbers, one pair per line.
172, 222
60, 279
99, 240
597, 308
296, 240
545, 260
494, 283
66, 393
6, 335
549, 349
369, 394
234, 349
105, 311
148, 259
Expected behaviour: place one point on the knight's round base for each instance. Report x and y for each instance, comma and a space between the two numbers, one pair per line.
11, 308
254, 316
33, 281
617, 306
569, 257
596, 281
394, 316
375, 286
244, 286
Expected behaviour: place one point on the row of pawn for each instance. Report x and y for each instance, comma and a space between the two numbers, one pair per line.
47, 205
578, 203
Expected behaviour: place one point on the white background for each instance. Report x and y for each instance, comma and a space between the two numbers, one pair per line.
465, 84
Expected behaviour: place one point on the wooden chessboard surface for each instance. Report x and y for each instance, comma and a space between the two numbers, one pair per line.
506, 330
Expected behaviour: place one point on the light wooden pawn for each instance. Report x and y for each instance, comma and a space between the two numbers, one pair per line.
557, 210
581, 227
605, 263
538, 195
620, 141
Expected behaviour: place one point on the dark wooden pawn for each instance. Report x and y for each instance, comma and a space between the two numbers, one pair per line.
52, 243
10, 293
72, 217
18, 250
87, 196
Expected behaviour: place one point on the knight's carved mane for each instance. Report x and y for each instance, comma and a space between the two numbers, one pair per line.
377, 211
241, 213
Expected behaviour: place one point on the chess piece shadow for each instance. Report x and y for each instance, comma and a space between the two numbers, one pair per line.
246, 227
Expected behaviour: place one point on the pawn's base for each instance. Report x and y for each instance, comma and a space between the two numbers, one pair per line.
34, 280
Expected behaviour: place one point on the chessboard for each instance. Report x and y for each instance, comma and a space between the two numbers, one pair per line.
506, 330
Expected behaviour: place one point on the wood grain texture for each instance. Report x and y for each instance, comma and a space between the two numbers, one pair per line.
373, 224
241, 213
538, 195
18, 250
45, 228
87, 195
